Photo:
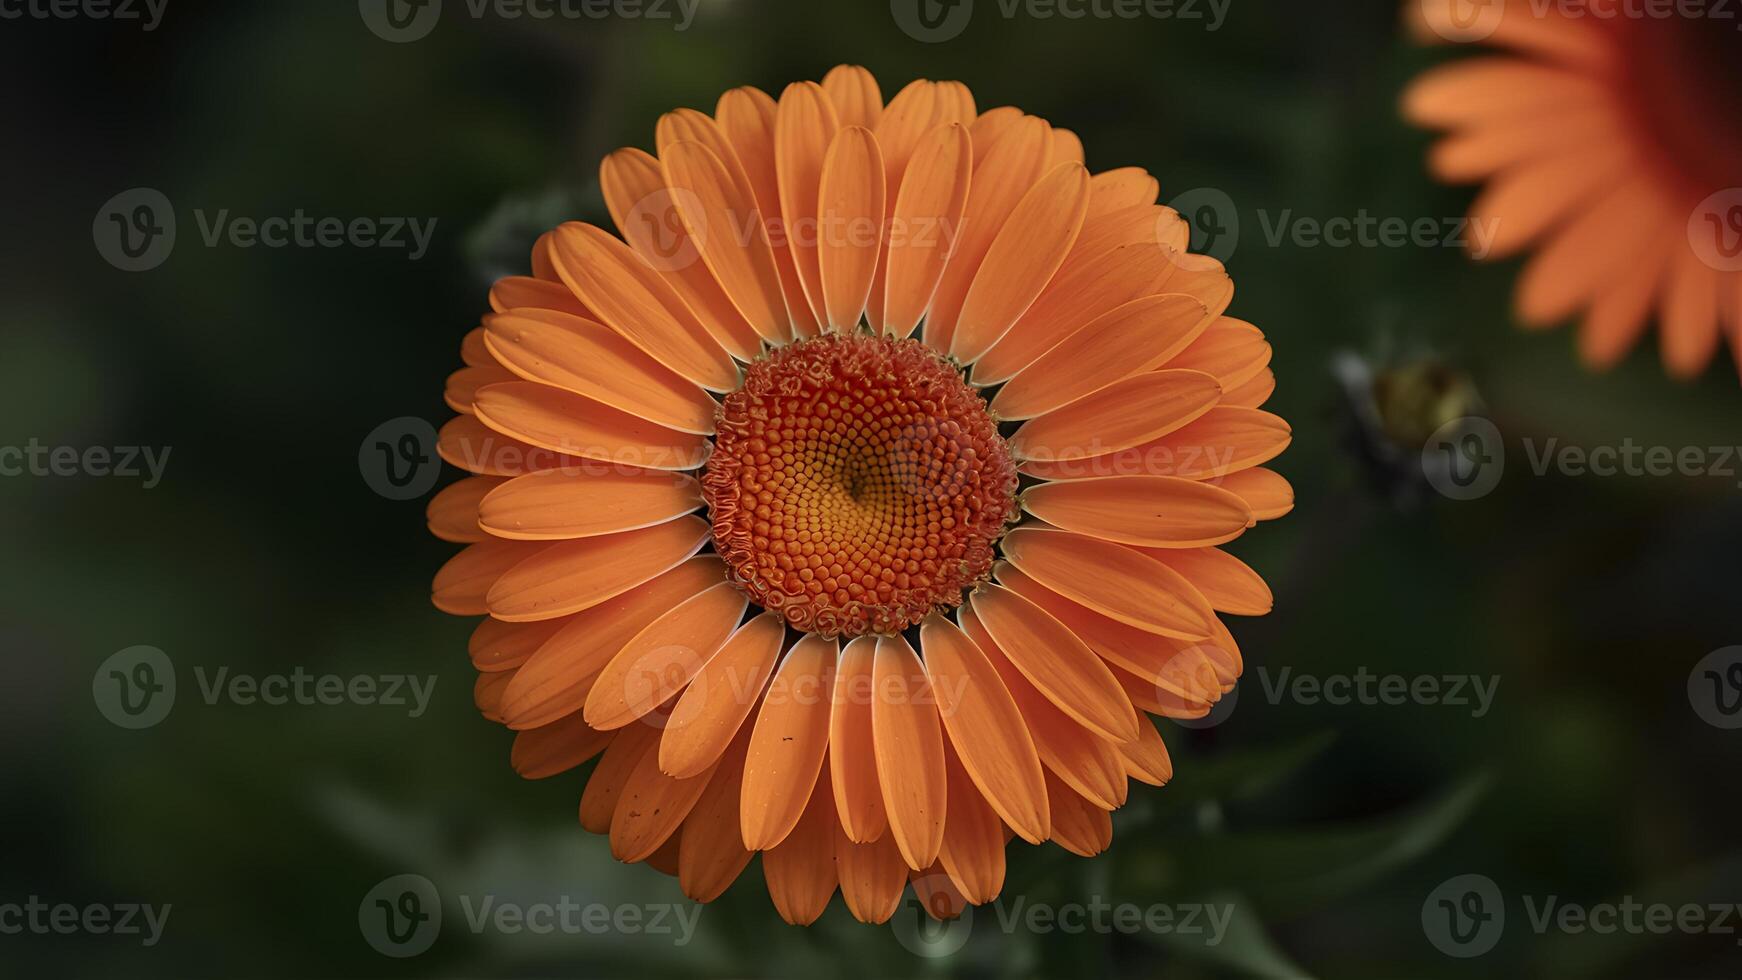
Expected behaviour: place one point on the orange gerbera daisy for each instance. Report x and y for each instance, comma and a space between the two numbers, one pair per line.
1607, 135
742, 536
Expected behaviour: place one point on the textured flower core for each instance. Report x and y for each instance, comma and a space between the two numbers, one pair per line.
857, 483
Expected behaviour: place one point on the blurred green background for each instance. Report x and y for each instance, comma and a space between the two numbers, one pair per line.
263, 549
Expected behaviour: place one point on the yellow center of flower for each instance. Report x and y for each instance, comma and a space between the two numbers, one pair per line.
857, 484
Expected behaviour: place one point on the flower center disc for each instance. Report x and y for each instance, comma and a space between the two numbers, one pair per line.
857, 483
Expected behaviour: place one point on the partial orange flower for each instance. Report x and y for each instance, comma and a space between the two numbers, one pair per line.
1607, 138
741, 535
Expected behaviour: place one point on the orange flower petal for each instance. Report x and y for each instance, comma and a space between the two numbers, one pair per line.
555, 504
850, 201
496, 645
712, 853
658, 661
719, 211
462, 583
1253, 392
1122, 342
873, 877
1078, 826
611, 775
805, 125
470, 445
1012, 166
800, 869
854, 93
556, 680
1029, 249
569, 576
788, 744
910, 751
637, 302
1160, 511
564, 422
1122, 415
973, 849
1055, 662
651, 808
1066, 147
928, 219
1532, 198
1125, 187
487, 694
645, 212
1582, 258
986, 728
852, 748
1086, 762
1223, 442
1146, 759
473, 352
1266, 492
1178, 666
1229, 584
1690, 329
453, 512
528, 293
713, 708
1482, 89
746, 117
463, 385
1108, 578
1231, 351
555, 748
